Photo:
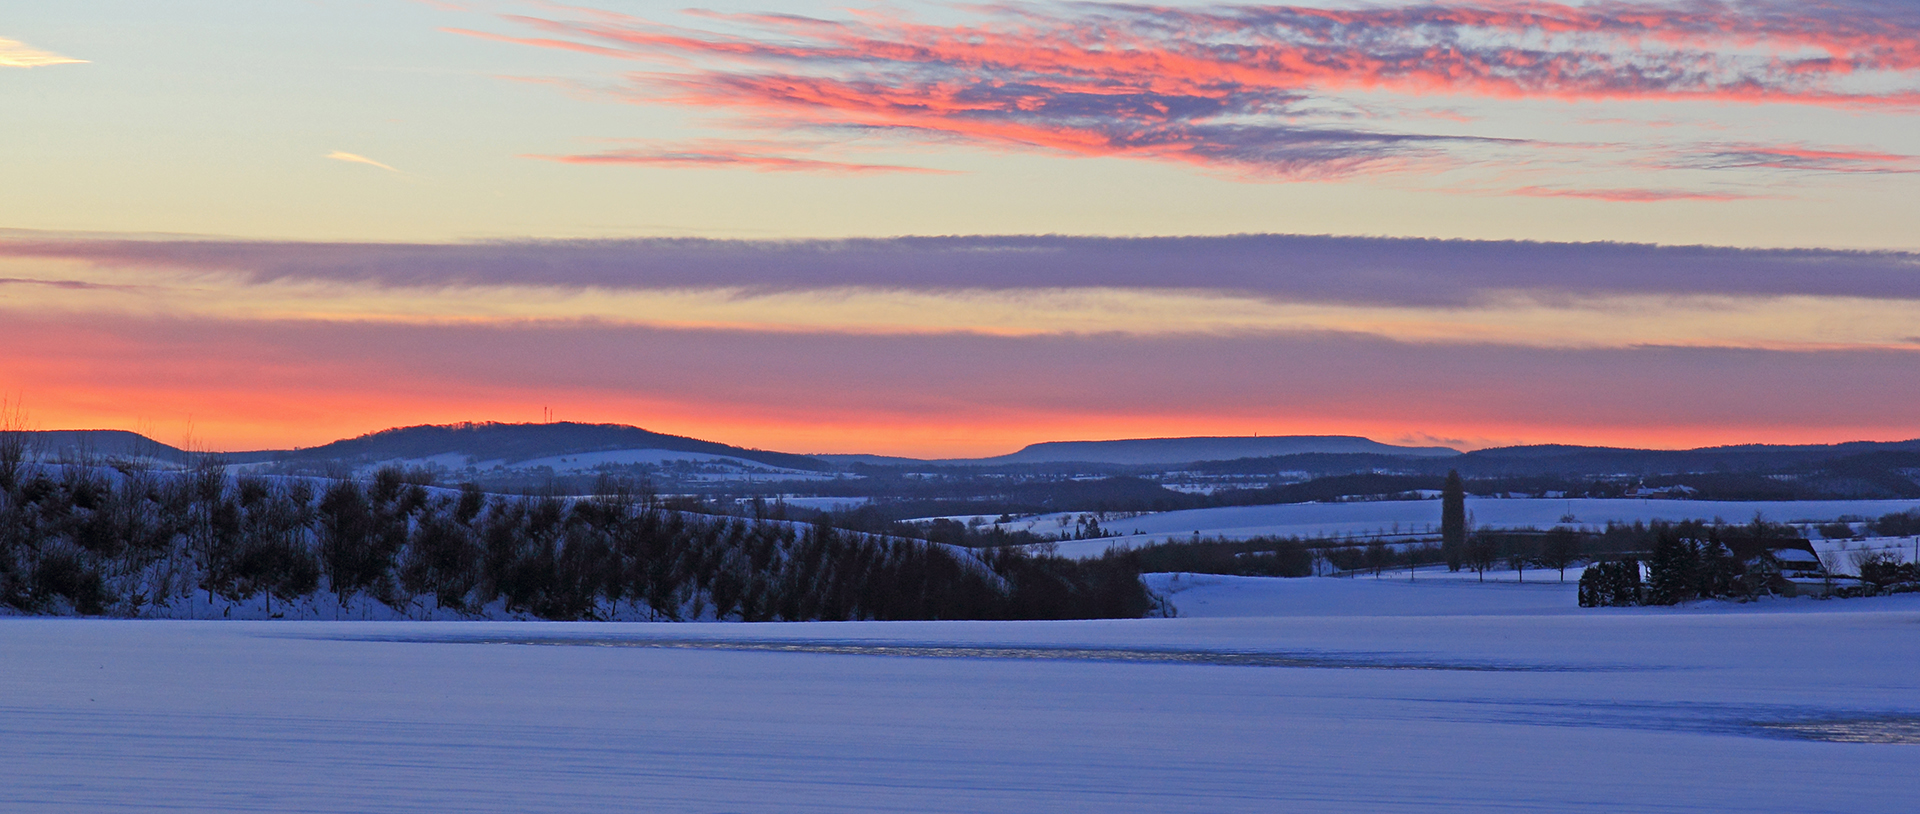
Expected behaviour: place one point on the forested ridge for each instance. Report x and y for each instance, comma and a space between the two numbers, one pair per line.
134, 541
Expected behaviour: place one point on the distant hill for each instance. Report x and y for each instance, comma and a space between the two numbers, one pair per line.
87, 444
1745, 472
1163, 451
1557, 459
855, 459
486, 441
1577, 461
522, 442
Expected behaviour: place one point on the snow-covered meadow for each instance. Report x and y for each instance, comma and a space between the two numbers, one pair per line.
1266, 695
1842, 557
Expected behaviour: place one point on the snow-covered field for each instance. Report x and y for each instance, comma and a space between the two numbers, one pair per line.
1842, 556
1413, 516
1310, 695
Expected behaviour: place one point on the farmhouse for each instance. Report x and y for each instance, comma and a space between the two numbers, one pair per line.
1790, 567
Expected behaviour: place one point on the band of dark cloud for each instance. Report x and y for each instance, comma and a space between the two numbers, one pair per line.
1298, 268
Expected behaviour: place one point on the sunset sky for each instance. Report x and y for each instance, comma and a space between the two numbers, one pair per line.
955, 229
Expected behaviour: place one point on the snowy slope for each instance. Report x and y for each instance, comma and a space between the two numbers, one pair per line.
1430, 594
1314, 695
1842, 556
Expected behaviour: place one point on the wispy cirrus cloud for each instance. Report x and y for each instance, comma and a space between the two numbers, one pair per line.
1242, 89
16, 54
1794, 157
352, 158
70, 285
1628, 195
708, 154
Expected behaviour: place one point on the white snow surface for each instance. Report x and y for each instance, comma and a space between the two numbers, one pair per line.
1307, 695
1368, 518
1433, 592
1840, 556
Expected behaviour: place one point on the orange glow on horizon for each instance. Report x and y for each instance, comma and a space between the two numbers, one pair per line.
239, 421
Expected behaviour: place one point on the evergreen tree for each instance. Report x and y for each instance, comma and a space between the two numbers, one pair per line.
1718, 573
1673, 572
1610, 584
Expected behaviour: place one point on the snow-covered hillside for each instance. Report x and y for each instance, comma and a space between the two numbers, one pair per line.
1267, 695
667, 463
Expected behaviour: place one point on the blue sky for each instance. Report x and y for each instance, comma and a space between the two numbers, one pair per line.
213, 118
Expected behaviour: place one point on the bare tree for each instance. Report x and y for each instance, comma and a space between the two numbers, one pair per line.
1521, 551
16, 440
1483, 550
1560, 549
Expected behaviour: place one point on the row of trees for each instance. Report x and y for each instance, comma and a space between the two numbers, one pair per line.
132, 541
1556, 549
1256, 557
1485, 550
1896, 524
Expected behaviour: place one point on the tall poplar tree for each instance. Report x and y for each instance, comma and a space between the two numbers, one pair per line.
1453, 521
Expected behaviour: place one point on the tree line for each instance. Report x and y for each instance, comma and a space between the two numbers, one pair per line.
133, 541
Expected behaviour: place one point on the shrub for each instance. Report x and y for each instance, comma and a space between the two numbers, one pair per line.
1837, 530
1898, 524
1881, 569
62, 573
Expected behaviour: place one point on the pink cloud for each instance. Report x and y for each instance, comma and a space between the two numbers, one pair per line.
546, 42
1627, 195
1219, 86
711, 154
